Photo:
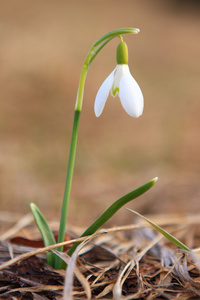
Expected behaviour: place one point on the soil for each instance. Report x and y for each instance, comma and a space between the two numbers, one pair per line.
131, 262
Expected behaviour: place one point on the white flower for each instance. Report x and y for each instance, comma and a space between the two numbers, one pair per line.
121, 82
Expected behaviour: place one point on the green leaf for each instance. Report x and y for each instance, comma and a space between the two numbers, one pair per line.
47, 235
110, 211
166, 234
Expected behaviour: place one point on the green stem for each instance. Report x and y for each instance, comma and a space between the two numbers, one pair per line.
63, 220
97, 46
69, 177
68, 183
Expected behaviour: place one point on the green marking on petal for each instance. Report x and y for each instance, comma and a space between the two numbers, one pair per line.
115, 92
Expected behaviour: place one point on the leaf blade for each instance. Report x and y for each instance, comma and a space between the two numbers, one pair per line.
111, 210
166, 234
47, 235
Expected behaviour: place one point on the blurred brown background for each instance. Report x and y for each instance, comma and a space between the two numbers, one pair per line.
42, 47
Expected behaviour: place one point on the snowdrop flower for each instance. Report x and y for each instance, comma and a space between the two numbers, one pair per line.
121, 82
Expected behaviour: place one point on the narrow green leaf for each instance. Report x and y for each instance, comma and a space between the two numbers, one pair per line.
47, 235
113, 209
166, 234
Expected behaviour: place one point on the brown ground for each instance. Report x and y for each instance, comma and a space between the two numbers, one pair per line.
43, 45
136, 269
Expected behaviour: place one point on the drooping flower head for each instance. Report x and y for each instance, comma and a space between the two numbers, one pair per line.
120, 82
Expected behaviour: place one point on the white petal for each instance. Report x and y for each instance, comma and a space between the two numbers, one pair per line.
117, 77
102, 94
130, 94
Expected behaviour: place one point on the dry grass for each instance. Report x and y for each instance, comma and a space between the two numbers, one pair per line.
128, 262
